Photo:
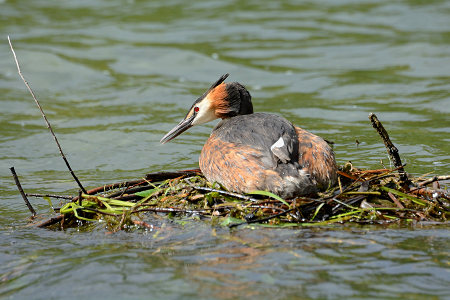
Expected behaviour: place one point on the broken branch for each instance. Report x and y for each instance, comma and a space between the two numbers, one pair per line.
45, 118
391, 149
19, 187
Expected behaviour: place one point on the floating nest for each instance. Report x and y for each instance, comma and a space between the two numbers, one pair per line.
362, 196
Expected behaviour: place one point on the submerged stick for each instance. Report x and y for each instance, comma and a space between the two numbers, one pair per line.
51, 221
262, 219
170, 210
391, 149
19, 186
45, 118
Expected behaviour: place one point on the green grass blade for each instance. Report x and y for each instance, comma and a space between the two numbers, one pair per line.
398, 193
270, 195
317, 210
49, 201
230, 220
146, 193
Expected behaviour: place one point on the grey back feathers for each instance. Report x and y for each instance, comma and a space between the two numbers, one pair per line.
262, 131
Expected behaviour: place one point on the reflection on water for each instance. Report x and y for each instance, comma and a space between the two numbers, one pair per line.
196, 260
114, 76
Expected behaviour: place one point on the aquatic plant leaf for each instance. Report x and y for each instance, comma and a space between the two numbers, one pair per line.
72, 207
230, 220
210, 197
146, 193
120, 203
49, 202
317, 210
398, 193
270, 195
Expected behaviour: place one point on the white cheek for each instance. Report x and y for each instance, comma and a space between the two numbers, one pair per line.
205, 113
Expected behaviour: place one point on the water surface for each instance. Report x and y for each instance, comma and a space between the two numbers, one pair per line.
114, 76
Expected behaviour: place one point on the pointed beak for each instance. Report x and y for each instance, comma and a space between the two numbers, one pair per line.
179, 129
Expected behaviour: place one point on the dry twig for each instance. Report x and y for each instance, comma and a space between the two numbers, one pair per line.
45, 117
19, 186
433, 179
391, 149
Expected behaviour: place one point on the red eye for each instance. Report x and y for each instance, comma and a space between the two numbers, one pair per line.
196, 109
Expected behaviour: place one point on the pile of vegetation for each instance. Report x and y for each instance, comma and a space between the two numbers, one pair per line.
362, 196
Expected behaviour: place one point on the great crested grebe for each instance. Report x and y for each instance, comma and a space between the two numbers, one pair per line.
256, 151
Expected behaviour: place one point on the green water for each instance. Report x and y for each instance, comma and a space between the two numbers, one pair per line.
115, 76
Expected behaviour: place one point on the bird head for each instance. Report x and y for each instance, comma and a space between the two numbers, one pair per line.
222, 100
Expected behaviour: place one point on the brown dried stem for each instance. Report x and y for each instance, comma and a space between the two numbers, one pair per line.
391, 149
49, 196
51, 221
236, 195
433, 179
19, 187
45, 118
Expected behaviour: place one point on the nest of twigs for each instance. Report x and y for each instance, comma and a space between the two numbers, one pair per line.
362, 196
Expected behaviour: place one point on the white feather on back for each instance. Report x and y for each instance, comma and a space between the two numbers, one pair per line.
278, 144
